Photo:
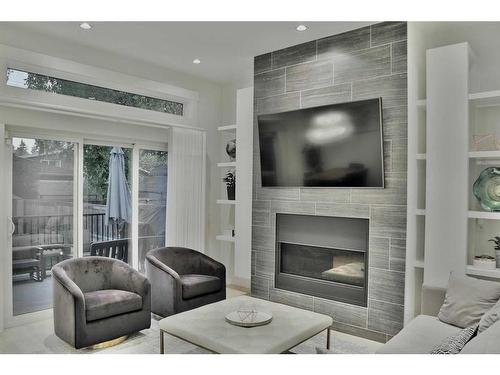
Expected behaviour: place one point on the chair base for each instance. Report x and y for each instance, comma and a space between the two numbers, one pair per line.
110, 343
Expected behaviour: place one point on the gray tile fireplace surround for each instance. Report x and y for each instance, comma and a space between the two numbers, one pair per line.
360, 64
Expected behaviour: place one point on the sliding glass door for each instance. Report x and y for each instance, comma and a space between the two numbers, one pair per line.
43, 222
78, 198
152, 201
107, 201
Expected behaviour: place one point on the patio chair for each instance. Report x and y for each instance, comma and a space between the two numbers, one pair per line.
116, 249
28, 260
183, 279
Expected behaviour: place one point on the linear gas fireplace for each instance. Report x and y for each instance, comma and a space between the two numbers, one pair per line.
323, 256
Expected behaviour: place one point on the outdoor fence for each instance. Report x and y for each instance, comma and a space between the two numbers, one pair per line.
47, 229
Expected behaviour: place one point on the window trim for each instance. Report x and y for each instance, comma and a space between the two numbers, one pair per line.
15, 58
107, 90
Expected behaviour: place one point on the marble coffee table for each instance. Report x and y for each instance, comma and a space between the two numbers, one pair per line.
206, 327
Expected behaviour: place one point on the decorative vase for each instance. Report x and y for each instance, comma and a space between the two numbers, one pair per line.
487, 189
497, 256
487, 264
231, 149
231, 192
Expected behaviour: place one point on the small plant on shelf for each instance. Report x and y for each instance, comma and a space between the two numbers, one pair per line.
496, 240
230, 181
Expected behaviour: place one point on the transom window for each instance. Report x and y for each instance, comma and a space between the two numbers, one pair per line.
35, 81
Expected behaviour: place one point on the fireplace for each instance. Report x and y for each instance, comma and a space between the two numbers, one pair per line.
323, 256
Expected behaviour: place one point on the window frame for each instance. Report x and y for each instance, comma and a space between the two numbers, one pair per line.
29, 61
109, 90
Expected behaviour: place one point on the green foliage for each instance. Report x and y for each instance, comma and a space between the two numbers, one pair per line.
82, 90
150, 160
96, 169
21, 149
230, 178
496, 240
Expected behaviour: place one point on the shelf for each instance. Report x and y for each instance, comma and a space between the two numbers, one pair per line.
418, 264
471, 270
479, 97
421, 156
225, 201
420, 212
227, 164
484, 154
422, 103
227, 128
225, 238
484, 215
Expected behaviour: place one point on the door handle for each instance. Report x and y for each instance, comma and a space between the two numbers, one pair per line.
12, 225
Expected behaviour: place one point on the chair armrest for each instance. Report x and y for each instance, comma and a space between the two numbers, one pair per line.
162, 266
69, 285
69, 308
432, 300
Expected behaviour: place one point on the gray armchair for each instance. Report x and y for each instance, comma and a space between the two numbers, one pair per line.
97, 299
183, 279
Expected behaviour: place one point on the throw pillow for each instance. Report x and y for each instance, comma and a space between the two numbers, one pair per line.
467, 299
455, 343
489, 318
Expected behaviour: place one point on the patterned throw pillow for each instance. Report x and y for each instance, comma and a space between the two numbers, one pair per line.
455, 343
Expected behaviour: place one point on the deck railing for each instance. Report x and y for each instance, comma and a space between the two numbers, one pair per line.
46, 229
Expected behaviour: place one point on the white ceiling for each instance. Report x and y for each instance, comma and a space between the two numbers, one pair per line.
484, 41
226, 49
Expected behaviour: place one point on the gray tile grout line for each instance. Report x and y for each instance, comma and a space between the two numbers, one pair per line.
390, 57
330, 57
390, 303
285, 80
339, 84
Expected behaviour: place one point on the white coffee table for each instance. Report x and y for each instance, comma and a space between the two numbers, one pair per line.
206, 327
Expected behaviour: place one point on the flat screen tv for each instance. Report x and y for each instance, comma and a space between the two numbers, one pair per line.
338, 145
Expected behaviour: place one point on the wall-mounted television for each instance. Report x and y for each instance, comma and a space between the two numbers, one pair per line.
338, 145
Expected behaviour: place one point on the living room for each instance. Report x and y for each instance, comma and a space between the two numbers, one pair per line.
197, 184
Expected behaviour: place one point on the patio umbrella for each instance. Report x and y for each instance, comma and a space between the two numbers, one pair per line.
118, 205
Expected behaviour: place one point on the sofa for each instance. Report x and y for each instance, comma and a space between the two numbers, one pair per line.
183, 279
426, 331
97, 299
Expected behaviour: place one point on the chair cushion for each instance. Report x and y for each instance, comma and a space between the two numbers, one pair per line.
199, 285
420, 336
110, 302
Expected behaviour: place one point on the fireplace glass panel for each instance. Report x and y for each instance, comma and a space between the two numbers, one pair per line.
342, 266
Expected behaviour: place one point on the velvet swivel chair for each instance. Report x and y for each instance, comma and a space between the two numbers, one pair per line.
97, 299
183, 279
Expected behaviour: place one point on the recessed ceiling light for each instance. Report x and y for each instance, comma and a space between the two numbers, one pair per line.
85, 26
196, 61
301, 28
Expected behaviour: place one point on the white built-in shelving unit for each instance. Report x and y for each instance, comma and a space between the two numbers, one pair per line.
484, 108
447, 226
237, 214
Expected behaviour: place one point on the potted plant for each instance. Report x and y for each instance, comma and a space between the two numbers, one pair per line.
230, 181
484, 261
496, 240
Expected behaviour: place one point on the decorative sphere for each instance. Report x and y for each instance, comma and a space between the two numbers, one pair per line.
231, 149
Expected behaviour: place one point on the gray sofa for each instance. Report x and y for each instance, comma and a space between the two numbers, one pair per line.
426, 331
183, 279
97, 299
